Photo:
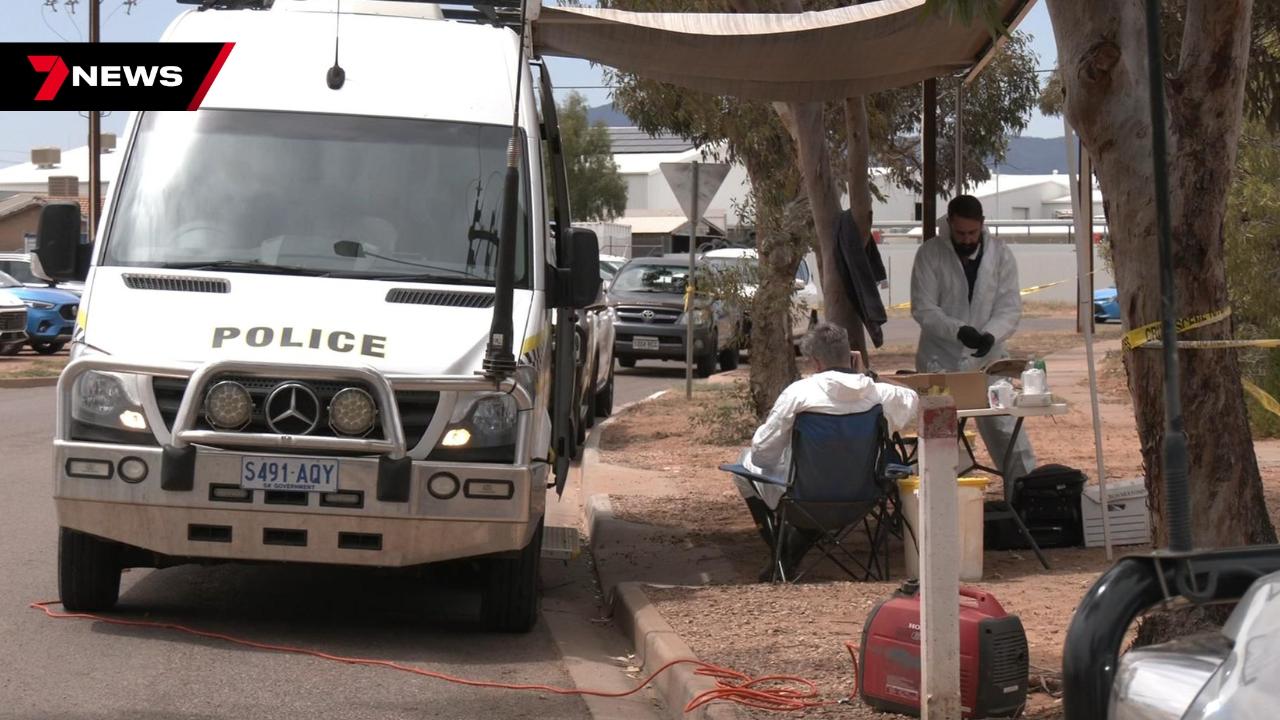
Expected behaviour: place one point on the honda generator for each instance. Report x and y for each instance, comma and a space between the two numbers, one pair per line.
993, 655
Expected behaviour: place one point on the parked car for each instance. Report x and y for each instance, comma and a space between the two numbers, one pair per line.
649, 321
806, 301
594, 351
1106, 307
51, 315
18, 266
610, 265
13, 323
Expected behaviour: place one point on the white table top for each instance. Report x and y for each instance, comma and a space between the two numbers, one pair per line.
1057, 407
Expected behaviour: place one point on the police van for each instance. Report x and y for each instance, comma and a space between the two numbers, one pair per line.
328, 317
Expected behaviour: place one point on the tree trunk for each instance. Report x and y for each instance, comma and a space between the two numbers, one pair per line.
857, 153
1102, 53
780, 246
809, 133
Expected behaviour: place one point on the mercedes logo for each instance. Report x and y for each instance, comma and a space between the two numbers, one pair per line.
293, 409
647, 315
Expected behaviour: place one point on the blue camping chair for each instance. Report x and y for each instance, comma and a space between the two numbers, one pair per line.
841, 478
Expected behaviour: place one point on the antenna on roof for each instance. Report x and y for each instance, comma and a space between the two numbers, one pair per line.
336, 75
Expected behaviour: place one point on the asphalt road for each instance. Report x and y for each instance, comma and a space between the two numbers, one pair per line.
83, 669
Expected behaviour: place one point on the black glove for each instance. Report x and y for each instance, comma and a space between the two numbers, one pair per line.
987, 342
971, 338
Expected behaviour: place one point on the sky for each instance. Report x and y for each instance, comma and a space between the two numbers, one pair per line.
145, 20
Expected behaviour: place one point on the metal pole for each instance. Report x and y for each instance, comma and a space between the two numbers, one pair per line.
95, 139
929, 146
1176, 481
959, 184
689, 292
1086, 284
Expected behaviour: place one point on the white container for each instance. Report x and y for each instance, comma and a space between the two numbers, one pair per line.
972, 492
1130, 517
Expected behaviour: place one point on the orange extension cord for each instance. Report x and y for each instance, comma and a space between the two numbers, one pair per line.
781, 693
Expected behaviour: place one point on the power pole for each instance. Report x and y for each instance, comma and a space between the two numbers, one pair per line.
95, 138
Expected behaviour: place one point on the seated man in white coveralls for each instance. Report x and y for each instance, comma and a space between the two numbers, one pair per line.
834, 389
965, 296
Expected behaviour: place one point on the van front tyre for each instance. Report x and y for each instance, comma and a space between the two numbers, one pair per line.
88, 572
729, 359
510, 601
705, 365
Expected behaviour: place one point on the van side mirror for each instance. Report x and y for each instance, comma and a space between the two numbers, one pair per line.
584, 276
59, 255
799, 284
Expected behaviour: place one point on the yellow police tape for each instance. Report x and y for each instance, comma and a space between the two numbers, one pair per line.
1151, 332
1264, 399
1023, 291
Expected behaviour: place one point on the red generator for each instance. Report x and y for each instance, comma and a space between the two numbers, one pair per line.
993, 655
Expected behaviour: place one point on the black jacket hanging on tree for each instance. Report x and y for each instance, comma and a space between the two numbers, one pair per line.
860, 268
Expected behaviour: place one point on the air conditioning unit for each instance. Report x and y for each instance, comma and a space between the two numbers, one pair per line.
64, 186
46, 157
107, 142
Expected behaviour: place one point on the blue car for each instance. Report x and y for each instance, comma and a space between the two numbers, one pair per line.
1105, 306
51, 314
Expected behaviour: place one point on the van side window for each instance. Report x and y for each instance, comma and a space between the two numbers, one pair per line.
802, 272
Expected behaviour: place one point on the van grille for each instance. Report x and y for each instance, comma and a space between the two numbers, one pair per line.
446, 298
177, 283
416, 407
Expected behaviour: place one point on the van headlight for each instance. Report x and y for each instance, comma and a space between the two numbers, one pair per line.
482, 429
105, 407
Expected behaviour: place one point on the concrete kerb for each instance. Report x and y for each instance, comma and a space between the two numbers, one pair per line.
28, 382
656, 643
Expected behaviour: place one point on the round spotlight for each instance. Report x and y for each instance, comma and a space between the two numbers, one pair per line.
133, 469
228, 406
352, 412
443, 486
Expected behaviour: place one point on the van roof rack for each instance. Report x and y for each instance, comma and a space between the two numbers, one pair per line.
499, 13
229, 4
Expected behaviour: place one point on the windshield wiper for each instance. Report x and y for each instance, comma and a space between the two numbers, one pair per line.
249, 266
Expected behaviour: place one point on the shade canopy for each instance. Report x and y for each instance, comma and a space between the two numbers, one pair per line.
825, 55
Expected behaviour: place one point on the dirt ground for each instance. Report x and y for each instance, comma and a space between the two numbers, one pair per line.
802, 629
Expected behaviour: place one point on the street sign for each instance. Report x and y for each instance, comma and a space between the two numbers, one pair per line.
680, 178
694, 184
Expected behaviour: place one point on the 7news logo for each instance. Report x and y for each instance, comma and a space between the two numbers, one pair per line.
109, 76
99, 76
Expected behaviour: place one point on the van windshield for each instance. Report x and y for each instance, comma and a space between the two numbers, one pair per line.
311, 194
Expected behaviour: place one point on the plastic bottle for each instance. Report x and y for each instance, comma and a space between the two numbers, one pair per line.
1033, 382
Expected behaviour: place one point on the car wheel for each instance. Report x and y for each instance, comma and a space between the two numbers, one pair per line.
510, 601
604, 398
11, 349
88, 571
47, 348
626, 362
704, 366
729, 358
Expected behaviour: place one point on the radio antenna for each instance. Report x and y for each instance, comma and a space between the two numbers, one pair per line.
336, 76
499, 358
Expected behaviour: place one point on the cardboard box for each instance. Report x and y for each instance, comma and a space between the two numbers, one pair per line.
1127, 509
968, 388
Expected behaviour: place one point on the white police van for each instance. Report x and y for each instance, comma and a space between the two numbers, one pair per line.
319, 321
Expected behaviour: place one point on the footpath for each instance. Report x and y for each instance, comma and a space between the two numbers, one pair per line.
677, 556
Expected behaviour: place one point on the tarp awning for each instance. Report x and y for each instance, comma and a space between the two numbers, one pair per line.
825, 55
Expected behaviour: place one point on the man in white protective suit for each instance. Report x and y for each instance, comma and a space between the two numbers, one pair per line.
965, 296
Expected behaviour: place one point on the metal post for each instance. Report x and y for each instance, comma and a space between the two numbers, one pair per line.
929, 147
1080, 178
959, 183
939, 560
689, 292
95, 139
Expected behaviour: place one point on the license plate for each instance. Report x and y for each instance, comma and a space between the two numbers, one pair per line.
644, 343
295, 474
